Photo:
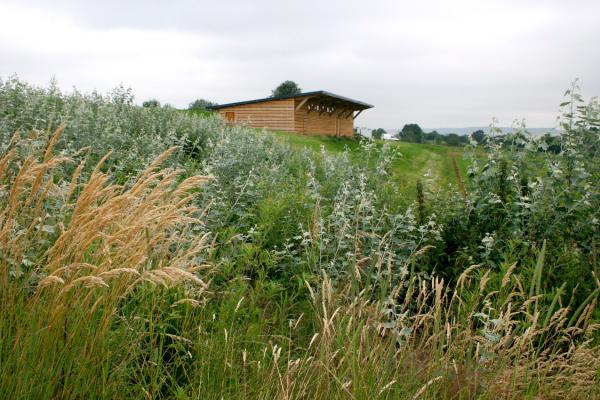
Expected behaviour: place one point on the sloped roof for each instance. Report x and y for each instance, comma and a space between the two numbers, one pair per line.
359, 105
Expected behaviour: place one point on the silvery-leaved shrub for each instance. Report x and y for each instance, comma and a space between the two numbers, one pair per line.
520, 195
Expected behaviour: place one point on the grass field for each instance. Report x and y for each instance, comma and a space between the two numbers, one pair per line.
415, 161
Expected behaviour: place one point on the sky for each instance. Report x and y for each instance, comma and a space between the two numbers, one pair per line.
436, 63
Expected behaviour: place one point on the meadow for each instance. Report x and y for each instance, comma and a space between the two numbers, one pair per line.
153, 253
412, 163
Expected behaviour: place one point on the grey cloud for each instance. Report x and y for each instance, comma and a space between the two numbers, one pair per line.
436, 63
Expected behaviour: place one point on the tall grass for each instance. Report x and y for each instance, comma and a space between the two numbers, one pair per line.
237, 266
76, 320
67, 276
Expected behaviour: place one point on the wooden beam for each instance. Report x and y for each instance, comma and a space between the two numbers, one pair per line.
330, 104
357, 114
324, 106
333, 109
345, 113
350, 112
302, 103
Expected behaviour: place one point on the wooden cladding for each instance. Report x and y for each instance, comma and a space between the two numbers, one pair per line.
316, 119
276, 114
310, 115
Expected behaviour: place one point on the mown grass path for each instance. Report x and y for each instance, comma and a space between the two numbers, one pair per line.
417, 161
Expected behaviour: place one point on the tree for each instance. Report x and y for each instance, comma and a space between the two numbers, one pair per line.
412, 133
452, 139
551, 143
432, 136
287, 88
377, 133
478, 136
152, 103
201, 104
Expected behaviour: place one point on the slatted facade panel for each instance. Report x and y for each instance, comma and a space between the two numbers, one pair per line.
314, 123
276, 114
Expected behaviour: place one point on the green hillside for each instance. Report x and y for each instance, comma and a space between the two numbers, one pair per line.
415, 161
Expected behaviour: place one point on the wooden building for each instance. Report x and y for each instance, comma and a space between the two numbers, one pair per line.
311, 113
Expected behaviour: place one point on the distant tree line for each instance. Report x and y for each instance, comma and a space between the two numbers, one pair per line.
201, 105
286, 88
377, 133
152, 103
196, 105
413, 133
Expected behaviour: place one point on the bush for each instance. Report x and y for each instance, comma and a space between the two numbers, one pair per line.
377, 134
152, 103
312, 266
412, 133
201, 105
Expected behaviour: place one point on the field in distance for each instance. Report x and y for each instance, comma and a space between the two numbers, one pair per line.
415, 160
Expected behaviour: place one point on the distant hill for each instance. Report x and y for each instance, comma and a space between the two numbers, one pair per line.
470, 129
464, 131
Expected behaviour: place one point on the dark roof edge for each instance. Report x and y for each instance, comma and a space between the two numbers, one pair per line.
314, 93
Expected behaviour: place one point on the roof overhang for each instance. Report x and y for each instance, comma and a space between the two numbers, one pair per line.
321, 97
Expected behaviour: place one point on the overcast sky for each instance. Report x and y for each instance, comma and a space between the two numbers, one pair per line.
437, 63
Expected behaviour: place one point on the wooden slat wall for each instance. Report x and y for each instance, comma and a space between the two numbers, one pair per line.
314, 124
281, 115
276, 114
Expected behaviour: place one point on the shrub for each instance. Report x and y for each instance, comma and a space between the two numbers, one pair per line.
377, 133
201, 105
152, 103
321, 277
